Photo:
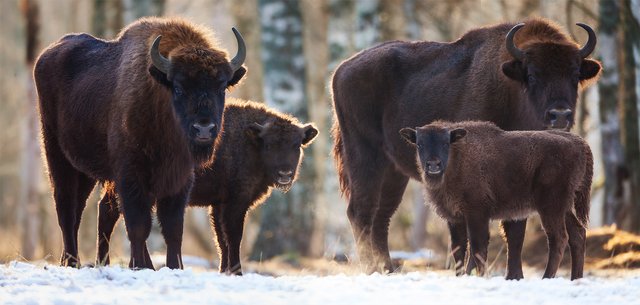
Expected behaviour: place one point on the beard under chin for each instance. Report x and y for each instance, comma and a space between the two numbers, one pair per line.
202, 154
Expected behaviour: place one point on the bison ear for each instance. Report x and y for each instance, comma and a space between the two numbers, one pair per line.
589, 69
457, 134
159, 77
409, 135
514, 70
237, 76
310, 133
254, 130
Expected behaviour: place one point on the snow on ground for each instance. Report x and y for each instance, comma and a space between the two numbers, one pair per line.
24, 283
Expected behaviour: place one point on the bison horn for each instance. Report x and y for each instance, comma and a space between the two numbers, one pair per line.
237, 61
160, 62
591, 42
511, 47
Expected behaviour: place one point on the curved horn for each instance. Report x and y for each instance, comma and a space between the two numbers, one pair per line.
511, 47
591, 42
160, 62
237, 61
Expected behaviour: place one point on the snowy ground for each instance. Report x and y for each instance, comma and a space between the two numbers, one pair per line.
23, 283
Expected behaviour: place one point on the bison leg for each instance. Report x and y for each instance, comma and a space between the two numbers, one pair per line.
459, 243
554, 226
233, 226
108, 215
513, 231
478, 232
136, 207
577, 244
170, 212
223, 248
70, 191
392, 189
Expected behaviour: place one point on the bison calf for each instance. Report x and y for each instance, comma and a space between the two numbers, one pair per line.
475, 171
258, 149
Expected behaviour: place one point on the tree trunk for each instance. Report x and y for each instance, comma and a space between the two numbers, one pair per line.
245, 14
315, 17
286, 219
630, 137
31, 161
609, 121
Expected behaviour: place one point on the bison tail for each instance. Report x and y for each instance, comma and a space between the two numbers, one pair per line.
338, 156
583, 195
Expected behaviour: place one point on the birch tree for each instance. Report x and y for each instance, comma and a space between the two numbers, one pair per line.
286, 220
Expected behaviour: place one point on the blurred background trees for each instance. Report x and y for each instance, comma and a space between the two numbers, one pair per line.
294, 45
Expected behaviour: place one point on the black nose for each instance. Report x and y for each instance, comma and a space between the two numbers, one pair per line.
204, 131
285, 173
434, 166
559, 117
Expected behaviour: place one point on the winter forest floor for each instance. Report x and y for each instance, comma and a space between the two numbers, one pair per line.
39, 283
610, 278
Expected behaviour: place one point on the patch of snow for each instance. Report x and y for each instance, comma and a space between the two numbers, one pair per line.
420, 254
22, 283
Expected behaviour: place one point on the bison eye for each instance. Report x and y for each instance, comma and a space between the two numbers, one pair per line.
177, 90
531, 79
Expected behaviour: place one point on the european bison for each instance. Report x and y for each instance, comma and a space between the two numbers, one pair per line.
258, 149
526, 81
475, 171
141, 110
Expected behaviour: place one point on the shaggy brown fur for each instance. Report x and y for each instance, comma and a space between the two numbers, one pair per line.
475, 171
259, 149
398, 84
109, 114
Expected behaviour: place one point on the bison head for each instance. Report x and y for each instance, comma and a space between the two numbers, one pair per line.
198, 78
432, 143
551, 73
280, 145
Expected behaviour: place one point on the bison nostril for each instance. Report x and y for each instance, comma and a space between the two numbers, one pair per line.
285, 173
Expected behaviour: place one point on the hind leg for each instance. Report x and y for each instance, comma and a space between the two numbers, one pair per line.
392, 189
577, 244
108, 215
554, 226
513, 231
366, 180
70, 191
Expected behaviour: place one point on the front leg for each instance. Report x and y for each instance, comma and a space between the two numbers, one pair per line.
233, 227
170, 212
478, 232
215, 214
459, 242
136, 207
513, 231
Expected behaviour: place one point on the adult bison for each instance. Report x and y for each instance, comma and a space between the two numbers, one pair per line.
521, 77
139, 111
259, 149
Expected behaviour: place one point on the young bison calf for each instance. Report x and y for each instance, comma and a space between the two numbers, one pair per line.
259, 149
475, 171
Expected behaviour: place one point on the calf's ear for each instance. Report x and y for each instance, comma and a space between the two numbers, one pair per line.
237, 76
409, 135
310, 133
457, 134
253, 131
514, 70
589, 69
